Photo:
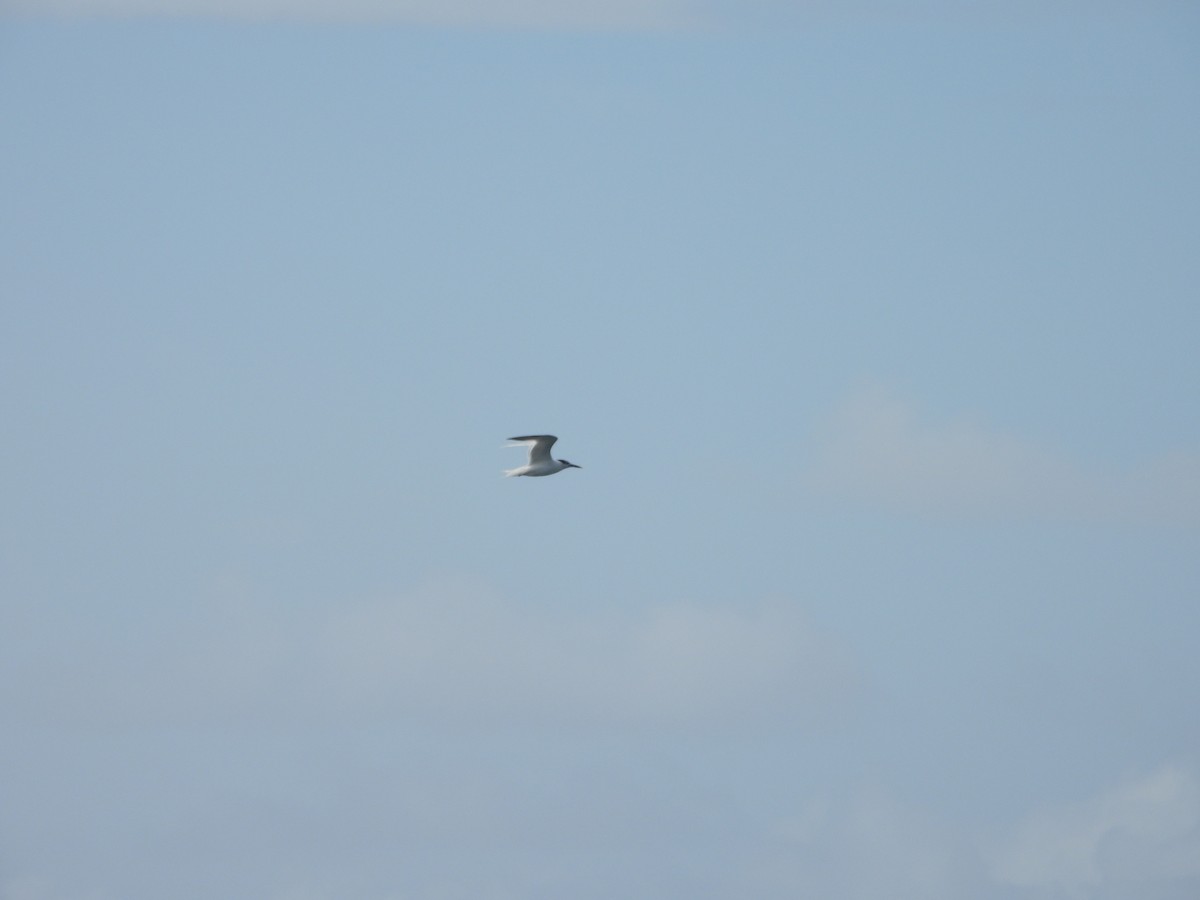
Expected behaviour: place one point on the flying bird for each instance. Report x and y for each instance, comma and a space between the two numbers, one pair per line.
540, 462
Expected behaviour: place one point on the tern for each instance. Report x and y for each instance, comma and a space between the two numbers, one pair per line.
540, 462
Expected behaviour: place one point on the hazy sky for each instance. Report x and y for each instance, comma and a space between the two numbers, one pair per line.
873, 326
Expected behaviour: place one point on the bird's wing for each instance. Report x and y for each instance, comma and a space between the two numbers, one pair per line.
539, 446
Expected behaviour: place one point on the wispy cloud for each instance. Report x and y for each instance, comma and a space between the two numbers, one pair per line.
580, 14
556, 14
455, 648
1143, 831
454, 654
864, 846
1140, 838
878, 449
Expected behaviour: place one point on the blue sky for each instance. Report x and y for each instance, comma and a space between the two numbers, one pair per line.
872, 325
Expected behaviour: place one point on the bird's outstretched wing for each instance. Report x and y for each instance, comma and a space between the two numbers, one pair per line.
539, 446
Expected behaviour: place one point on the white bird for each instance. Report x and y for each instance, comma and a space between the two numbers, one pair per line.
540, 462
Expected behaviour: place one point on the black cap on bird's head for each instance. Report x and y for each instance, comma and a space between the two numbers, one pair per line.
570, 464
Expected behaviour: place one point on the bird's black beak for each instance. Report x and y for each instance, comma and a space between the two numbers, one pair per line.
573, 466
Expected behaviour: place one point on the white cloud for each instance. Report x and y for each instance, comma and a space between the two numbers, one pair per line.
460, 652
1138, 839
1144, 831
869, 845
26, 888
448, 653
876, 449
477, 13
566, 14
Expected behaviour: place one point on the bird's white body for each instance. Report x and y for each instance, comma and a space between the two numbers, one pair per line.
540, 462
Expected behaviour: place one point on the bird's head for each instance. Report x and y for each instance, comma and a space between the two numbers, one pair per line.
570, 465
